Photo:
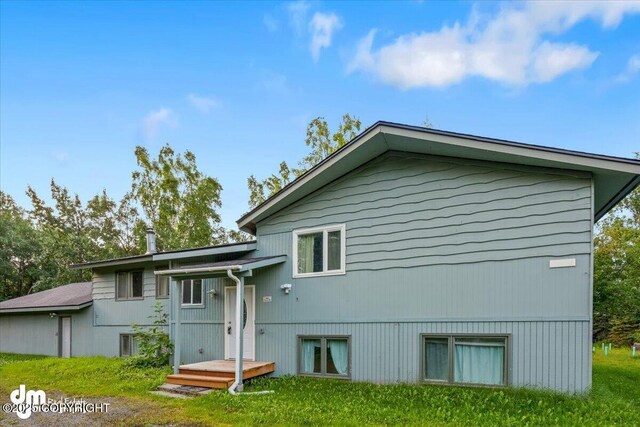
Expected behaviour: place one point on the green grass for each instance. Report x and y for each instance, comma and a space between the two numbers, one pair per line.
614, 399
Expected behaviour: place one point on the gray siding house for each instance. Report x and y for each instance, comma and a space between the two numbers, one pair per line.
409, 255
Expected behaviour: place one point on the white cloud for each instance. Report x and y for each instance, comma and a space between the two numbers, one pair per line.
155, 119
508, 47
322, 26
632, 69
298, 15
202, 103
270, 23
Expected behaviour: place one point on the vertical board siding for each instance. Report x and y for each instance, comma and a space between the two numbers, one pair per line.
390, 352
37, 333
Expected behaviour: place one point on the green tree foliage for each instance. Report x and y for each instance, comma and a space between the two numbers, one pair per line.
616, 299
37, 246
321, 142
21, 263
178, 200
154, 344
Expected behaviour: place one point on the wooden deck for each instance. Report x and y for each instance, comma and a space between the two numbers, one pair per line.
218, 373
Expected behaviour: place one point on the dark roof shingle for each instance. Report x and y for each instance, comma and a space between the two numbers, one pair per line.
74, 294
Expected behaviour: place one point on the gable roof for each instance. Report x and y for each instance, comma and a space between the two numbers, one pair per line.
74, 296
614, 177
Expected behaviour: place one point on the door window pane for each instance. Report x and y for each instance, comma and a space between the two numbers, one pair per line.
311, 356
436, 359
337, 356
136, 284
335, 245
479, 360
197, 292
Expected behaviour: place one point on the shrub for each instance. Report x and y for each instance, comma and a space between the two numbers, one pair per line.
154, 344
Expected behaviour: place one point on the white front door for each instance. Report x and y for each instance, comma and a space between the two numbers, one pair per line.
65, 336
230, 323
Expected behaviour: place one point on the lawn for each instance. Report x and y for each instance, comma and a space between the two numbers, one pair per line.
614, 399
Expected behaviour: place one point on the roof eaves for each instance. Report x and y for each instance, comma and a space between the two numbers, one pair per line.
67, 307
245, 221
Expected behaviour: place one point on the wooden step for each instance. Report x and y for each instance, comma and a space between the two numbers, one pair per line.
200, 380
218, 374
255, 371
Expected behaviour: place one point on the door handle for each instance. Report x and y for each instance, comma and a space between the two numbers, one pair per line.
228, 330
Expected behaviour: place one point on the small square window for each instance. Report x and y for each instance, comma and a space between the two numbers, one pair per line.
319, 251
192, 291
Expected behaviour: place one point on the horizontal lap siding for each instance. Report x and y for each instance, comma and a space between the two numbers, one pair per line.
403, 211
552, 354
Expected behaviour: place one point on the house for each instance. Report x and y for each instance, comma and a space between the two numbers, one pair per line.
409, 255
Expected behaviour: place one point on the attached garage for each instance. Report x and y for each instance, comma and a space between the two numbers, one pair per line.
55, 322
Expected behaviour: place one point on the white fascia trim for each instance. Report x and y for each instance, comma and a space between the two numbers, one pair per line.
178, 271
518, 150
312, 174
44, 309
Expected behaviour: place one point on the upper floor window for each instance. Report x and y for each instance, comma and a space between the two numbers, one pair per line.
162, 286
319, 251
129, 285
192, 292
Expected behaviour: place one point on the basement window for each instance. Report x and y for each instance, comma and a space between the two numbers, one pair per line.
192, 292
129, 285
465, 359
319, 251
324, 356
128, 345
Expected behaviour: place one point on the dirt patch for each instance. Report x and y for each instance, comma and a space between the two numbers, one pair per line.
119, 411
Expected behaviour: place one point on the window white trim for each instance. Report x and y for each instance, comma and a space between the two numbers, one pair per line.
191, 304
325, 250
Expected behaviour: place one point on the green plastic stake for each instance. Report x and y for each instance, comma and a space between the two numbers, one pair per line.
609, 346
603, 346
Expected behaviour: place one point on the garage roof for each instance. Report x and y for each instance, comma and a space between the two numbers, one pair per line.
74, 296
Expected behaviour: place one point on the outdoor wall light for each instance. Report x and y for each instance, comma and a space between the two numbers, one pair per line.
52, 315
213, 293
286, 287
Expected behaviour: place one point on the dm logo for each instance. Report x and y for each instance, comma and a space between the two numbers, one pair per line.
25, 400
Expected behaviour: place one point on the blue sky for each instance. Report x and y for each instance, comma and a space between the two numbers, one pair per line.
81, 84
